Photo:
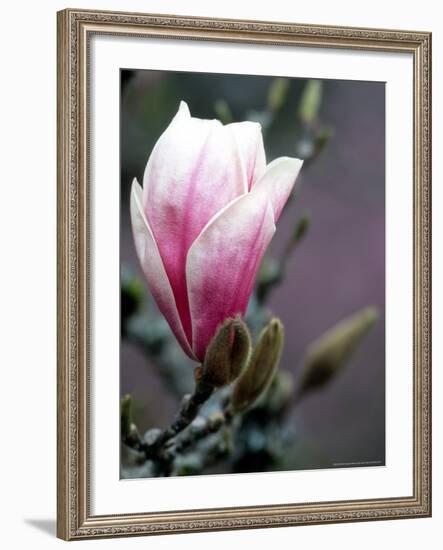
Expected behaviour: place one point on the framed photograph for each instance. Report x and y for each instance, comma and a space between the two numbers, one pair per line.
244, 288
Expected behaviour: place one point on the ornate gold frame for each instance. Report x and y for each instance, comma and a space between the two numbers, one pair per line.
74, 520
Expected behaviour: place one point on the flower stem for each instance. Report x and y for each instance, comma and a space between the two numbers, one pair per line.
191, 405
206, 427
152, 445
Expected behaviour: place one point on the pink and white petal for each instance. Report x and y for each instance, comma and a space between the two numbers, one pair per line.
195, 170
192, 155
250, 143
222, 265
278, 181
153, 268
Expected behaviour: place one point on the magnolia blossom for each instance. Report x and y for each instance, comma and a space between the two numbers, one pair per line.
204, 219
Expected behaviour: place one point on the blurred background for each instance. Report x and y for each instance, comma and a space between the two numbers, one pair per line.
335, 270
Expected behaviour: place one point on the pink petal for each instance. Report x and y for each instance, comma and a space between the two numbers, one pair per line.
223, 262
194, 170
250, 143
153, 268
277, 182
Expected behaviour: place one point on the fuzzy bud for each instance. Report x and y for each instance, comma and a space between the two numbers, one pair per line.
255, 380
226, 355
326, 356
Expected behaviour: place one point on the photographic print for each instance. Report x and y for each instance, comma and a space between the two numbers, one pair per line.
252, 257
244, 289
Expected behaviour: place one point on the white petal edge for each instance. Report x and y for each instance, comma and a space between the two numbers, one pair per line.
278, 181
249, 139
153, 267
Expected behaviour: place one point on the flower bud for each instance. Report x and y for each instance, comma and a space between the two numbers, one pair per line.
226, 355
310, 101
202, 221
301, 228
264, 360
326, 356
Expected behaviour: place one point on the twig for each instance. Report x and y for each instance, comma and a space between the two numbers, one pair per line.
191, 405
277, 268
220, 450
201, 428
152, 445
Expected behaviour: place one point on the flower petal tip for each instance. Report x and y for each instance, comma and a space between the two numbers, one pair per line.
135, 187
183, 109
